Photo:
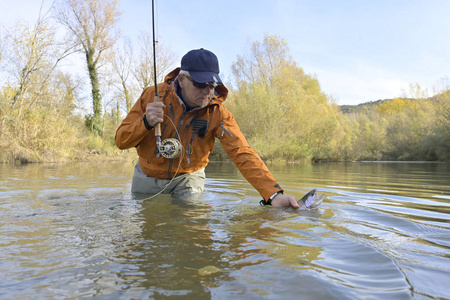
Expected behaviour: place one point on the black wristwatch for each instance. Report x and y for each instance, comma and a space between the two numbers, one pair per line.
269, 201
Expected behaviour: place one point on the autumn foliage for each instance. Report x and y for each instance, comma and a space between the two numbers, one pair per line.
281, 109
285, 115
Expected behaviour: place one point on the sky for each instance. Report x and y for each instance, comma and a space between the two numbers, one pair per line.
359, 50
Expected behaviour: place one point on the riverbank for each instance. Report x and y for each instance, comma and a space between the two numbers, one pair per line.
27, 156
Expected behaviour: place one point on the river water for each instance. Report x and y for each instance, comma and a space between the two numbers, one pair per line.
69, 231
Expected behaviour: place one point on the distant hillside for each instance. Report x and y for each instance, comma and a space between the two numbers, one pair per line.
346, 109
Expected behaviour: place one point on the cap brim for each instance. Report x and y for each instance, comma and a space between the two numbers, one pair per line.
205, 77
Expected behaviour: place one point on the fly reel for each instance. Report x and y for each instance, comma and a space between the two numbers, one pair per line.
170, 148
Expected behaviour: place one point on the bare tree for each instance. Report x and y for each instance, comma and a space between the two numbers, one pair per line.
2, 45
34, 57
143, 70
92, 25
122, 77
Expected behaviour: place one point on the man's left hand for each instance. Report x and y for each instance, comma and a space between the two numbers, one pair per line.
282, 200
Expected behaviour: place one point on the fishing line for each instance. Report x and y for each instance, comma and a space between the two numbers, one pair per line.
179, 164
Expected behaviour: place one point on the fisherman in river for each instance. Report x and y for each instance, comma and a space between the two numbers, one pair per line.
189, 107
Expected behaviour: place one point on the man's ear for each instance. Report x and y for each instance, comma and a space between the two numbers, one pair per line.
181, 79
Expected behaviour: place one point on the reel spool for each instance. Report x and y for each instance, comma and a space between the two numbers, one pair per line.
170, 148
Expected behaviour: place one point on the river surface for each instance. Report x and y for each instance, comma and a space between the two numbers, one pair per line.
70, 231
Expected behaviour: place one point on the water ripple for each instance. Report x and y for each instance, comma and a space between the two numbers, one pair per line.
76, 230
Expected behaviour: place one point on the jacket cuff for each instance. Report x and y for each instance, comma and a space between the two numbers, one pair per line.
148, 126
268, 201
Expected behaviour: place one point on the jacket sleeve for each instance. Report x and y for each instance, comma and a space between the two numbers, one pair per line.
132, 129
244, 157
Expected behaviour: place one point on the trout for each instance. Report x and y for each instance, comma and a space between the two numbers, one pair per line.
311, 200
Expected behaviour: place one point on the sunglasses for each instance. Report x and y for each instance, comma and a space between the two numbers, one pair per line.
201, 85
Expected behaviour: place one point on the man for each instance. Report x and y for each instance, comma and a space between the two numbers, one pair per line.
190, 110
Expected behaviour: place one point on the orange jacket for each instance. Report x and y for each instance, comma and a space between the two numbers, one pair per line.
221, 124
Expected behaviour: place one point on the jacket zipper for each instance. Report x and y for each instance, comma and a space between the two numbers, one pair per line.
188, 124
224, 130
172, 112
189, 149
176, 135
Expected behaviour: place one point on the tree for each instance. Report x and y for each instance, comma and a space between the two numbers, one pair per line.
122, 79
36, 54
441, 134
2, 45
91, 23
291, 118
143, 65
132, 71
36, 101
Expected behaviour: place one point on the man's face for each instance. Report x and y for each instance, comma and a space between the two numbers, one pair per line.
194, 96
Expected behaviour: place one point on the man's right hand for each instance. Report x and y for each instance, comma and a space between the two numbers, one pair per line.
281, 200
154, 113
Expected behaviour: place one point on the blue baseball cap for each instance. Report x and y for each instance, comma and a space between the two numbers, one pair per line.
202, 64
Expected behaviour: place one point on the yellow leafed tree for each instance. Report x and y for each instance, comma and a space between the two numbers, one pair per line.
281, 110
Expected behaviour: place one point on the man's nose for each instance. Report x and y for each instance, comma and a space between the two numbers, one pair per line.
208, 89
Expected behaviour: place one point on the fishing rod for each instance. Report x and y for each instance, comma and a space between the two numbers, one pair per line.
171, 147
158, 125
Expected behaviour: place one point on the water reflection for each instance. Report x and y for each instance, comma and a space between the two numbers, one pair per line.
75, 230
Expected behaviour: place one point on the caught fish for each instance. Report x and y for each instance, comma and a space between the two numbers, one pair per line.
311, 200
